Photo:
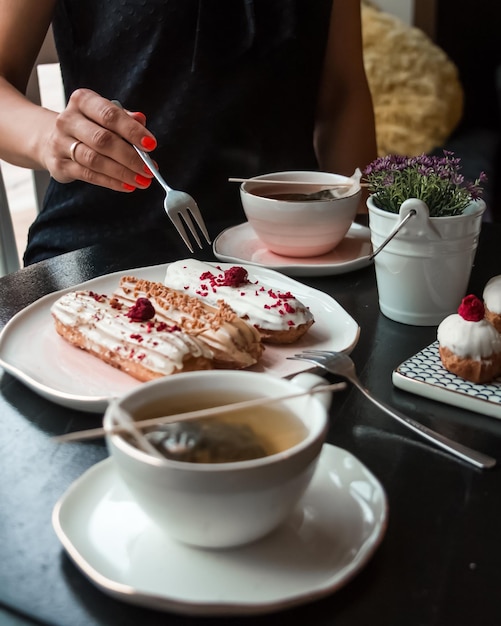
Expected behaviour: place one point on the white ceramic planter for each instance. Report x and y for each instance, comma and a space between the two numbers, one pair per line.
423, 272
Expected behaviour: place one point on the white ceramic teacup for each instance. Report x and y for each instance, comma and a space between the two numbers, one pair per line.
220, 504
300, 228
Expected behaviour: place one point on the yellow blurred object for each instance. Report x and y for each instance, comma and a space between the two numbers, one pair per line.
417, 94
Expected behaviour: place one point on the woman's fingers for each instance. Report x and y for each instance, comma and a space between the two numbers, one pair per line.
91, 142
95, 168
112, 117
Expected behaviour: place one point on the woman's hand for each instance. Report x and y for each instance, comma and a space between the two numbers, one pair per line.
91, 141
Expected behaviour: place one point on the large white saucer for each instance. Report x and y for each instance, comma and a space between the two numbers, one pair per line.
332, 534
240, 244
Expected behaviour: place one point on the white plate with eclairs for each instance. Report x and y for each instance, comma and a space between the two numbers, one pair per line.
33, 352
331, 535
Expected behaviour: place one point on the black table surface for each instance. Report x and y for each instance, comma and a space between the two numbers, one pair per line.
439, 561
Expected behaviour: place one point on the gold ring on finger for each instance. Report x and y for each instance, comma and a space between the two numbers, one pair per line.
73, 147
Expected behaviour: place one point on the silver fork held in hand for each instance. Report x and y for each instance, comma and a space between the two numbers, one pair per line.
177, 204
341, 365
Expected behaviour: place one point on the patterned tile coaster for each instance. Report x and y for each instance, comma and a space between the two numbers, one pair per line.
424, 375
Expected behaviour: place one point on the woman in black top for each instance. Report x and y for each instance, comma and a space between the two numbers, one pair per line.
213, 88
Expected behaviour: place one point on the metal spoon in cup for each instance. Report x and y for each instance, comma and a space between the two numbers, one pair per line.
326, 193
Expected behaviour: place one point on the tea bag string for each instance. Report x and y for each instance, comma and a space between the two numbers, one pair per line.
125, 423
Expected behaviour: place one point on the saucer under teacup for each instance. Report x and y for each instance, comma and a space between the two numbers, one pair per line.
330, 536
240, 244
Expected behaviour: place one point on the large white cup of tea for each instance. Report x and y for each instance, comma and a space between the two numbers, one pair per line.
227, 480
292, 222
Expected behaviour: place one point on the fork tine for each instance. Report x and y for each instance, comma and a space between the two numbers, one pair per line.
189, 222
176, 220
318, 352
195, 211
303, 357
186, 215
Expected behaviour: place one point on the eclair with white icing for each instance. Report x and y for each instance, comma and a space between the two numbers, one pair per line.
131, 338
277, 314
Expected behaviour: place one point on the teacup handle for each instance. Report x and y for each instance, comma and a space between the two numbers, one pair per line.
307, 381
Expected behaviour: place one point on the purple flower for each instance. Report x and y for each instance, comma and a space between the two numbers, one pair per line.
437, 180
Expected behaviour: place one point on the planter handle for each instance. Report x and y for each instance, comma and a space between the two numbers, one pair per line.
421, 224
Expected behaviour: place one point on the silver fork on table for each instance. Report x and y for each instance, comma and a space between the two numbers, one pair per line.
177, 204
341, 365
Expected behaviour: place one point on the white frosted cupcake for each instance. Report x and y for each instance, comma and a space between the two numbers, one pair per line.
469, 345
492, 302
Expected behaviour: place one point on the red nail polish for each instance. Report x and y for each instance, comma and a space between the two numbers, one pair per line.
128, 187
149, 143
140, 117
142, 180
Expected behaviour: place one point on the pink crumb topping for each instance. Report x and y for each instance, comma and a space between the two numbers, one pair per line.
233, 277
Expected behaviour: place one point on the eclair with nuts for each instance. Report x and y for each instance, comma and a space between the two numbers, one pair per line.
233, 342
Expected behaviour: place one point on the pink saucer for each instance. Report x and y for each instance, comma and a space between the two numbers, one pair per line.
240, 244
